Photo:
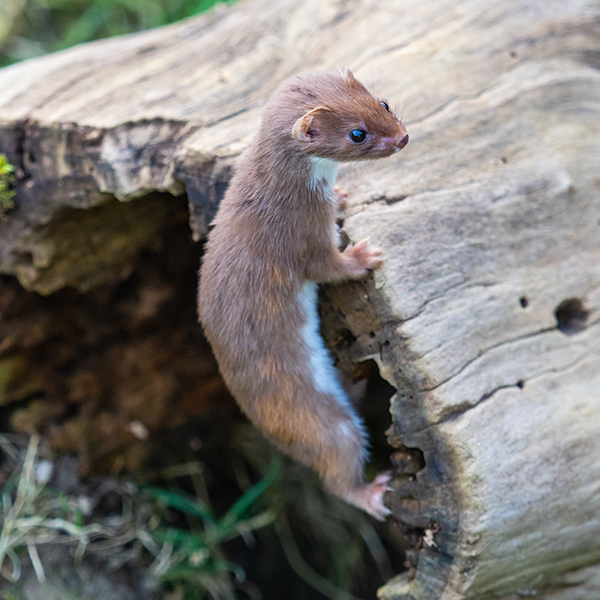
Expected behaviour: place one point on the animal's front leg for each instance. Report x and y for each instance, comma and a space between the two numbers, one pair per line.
360, 257
353, 262
340, 196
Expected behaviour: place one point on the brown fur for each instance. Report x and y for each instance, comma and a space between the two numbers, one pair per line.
275, 231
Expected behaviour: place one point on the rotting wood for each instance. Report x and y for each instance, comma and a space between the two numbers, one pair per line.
489, 219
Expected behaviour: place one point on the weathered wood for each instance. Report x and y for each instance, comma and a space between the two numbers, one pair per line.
489, 218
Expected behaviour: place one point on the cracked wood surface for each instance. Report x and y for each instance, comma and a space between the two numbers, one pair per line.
489, 219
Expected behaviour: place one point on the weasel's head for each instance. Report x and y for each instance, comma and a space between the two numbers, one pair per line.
336, 117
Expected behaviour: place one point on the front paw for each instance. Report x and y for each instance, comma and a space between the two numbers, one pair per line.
360, 256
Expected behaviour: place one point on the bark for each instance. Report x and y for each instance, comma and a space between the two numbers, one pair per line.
485, 315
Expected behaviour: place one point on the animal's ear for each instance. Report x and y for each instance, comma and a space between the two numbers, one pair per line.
347, 73
306, 129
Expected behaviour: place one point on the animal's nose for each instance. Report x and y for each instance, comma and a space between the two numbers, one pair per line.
401, 140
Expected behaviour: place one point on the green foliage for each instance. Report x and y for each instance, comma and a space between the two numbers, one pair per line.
192, 561
184, 543
32, 514
12, 595
32, 27
7, 180
189, 559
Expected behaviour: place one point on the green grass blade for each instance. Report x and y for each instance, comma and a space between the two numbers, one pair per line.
243, 503
183, 502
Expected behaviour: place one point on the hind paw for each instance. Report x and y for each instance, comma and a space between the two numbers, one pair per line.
369, 496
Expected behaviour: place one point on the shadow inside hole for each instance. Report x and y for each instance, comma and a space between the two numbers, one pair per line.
373, 404
571, 316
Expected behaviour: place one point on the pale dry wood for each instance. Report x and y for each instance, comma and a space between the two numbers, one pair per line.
494, 201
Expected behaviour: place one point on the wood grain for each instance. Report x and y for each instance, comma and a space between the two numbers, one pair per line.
490, 219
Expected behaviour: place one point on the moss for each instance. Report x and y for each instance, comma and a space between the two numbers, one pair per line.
7, 180
12, 594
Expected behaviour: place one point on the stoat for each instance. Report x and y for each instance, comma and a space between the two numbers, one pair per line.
274, 240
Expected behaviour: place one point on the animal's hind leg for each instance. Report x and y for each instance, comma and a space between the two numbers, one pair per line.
341, 468
322, 431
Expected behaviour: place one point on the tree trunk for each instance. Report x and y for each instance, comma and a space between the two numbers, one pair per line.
485, 316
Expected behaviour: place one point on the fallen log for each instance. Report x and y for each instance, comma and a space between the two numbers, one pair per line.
485, 315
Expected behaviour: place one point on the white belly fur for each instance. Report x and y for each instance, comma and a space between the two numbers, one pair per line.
324, 374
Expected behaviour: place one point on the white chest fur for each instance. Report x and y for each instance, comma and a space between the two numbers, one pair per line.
324, 172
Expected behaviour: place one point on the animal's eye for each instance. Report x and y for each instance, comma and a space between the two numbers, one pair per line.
385, 105
358, 136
